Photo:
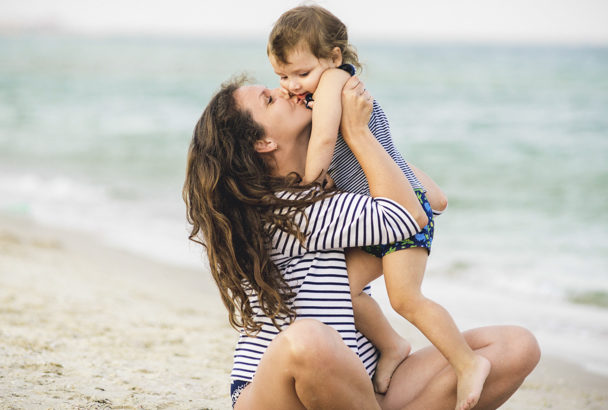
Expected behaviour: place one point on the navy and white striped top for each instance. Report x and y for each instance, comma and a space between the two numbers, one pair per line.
344, 168
317, 272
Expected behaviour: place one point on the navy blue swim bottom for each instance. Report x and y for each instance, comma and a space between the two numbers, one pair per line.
236, 388
423, 239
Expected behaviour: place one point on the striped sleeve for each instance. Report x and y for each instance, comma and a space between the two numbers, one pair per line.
349, 220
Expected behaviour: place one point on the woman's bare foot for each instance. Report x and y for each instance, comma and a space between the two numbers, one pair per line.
470, 383
389, 360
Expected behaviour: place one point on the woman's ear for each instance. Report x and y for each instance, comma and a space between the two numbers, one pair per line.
265, 146
336, 56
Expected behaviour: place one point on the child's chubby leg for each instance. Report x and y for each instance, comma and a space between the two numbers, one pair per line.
403, 271
362, 269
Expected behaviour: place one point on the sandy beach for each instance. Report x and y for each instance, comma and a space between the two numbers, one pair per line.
87, 326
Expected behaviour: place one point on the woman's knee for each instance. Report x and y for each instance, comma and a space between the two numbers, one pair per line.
311, 343
522, 348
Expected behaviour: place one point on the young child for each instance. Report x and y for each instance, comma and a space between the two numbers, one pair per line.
306, 48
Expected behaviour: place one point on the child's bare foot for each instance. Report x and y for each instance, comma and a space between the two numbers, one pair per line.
389, 360
470, 383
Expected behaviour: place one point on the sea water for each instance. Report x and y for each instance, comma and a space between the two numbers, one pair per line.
94, 133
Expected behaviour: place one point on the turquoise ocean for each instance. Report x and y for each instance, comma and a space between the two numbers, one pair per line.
94, 133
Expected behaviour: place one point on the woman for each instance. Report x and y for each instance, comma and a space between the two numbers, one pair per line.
276, 251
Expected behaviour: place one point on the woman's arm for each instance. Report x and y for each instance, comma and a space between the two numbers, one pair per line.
346, 220
325, 124
384, 177
436, 197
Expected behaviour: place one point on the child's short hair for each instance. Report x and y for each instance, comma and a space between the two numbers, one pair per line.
314, 26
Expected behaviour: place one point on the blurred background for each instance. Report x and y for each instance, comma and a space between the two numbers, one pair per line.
504, 104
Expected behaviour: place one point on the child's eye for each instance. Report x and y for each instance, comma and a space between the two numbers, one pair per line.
303, 74
270, 99
283, 78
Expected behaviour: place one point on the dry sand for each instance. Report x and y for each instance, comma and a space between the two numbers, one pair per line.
86, 326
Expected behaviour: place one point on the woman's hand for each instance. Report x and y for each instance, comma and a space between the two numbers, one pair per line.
356, 107
384, 177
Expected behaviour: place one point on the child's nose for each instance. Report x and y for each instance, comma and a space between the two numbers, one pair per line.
294, 85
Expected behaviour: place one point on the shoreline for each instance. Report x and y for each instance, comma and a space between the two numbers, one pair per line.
86, 325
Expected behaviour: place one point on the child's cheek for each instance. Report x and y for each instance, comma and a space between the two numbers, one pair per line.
314, 83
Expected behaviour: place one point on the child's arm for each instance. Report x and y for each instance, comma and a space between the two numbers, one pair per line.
326, 114
437, 199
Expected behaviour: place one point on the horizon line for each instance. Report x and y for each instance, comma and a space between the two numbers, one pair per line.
250, 35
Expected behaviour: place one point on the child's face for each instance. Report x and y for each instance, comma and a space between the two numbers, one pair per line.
302, 74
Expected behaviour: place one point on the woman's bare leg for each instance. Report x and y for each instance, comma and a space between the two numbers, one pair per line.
425, 380
362, 268
308, 366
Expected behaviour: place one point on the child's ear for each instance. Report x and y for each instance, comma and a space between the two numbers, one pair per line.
265, 146
336, 56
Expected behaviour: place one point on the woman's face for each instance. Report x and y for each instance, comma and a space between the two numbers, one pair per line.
283, 120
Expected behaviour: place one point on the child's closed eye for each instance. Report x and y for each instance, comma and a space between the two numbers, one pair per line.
304, 74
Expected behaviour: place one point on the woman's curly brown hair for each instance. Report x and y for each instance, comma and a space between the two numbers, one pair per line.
232, 205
